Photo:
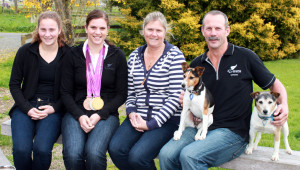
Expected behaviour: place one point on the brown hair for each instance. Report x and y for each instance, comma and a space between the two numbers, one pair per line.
49, 15
96, 14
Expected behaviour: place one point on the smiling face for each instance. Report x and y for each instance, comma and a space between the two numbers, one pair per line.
154, 33
97, 30
48, 31
215, 31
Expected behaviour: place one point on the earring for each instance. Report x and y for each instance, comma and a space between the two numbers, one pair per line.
107, 34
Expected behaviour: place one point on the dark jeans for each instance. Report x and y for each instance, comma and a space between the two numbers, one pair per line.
44, 132
86, 150
130, 149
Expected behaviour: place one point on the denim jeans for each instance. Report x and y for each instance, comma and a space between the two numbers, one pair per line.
130, 149
220, 146
86, 150
44, 132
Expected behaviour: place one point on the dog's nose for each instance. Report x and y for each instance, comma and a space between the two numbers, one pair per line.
183, 85
265, 112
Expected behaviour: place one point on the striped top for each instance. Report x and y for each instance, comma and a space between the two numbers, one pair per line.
157, 100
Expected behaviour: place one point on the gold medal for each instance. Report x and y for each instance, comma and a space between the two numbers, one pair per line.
86, 103
97, 103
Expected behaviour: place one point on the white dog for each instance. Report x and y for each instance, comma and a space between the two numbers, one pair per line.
265, 106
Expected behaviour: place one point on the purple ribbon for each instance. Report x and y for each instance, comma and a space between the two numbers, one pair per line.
93, 76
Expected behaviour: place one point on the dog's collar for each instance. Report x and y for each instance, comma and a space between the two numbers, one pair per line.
265, 119
192, 92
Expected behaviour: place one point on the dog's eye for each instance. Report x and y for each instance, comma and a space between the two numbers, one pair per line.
184, 76
260, 102
191, 78
270, 102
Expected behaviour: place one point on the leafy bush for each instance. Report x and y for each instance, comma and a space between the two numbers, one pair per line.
269, 28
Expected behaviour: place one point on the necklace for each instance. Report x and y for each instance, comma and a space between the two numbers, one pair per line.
153, 57
149, 65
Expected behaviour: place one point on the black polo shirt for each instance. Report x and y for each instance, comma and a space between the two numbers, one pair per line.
231, 86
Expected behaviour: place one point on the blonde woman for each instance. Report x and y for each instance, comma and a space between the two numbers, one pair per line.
152, 106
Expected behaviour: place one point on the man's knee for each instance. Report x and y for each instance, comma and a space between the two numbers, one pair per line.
186, 155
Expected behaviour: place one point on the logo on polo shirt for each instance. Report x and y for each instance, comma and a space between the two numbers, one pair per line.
233, 71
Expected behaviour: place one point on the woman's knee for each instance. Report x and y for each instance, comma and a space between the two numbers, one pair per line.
138, 161
24, 151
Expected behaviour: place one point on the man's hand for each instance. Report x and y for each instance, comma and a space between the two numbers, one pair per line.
181, 98
280, 115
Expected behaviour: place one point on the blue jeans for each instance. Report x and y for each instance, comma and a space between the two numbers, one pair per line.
86, 150
44, 132
220, 146
130, 149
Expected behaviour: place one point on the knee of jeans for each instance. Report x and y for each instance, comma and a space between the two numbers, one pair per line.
164, 156
136, 160
185, 155
115, 149
167, 154
73, 154
42, 151
93, 156
22, 151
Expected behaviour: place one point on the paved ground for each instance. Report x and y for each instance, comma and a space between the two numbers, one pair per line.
10, 40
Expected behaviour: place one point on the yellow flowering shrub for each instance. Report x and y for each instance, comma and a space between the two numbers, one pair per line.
269, 28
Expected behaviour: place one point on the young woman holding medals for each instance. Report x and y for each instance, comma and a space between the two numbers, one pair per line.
94, 86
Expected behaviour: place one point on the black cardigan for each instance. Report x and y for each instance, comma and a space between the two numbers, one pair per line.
113, 86
24, 77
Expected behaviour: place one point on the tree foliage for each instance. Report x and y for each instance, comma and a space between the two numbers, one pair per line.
268, 27
65, 8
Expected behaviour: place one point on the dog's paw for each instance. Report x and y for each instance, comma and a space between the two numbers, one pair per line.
275, 157
198, 137
289, 151
177, 135
249, 151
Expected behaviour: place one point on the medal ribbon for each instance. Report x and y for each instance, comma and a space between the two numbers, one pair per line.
93, 76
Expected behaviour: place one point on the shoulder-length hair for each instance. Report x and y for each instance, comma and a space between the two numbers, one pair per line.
49, 15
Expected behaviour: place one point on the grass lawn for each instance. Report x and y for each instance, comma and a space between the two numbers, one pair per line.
11, 22
287, 71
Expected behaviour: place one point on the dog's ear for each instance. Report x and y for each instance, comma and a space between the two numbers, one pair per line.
199, 70
184, 66
254, 94
275, 94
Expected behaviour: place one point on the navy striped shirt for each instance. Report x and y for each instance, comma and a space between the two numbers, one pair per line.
157, 100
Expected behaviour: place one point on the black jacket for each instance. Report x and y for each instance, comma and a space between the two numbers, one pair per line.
24, 77
113, 86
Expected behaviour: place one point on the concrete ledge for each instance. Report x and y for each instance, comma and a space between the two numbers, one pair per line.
4, 162
260, 159
6, 130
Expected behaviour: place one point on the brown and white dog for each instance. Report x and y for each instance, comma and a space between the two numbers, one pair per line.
197, 103
262, 115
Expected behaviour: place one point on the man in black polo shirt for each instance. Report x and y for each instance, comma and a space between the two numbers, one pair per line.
229, 72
